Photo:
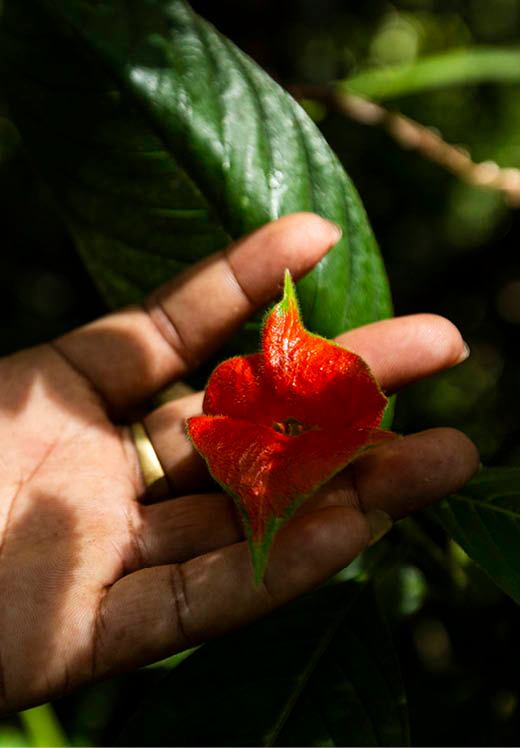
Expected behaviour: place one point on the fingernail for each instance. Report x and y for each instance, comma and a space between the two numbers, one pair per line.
337, 231
379, 523
465, 353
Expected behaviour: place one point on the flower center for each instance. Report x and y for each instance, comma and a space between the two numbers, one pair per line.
291, 427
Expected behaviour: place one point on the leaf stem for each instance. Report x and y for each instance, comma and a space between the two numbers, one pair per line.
412, 135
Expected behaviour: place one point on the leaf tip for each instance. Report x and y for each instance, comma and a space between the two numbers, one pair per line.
259, 571
260, 546
259, 555
289, 293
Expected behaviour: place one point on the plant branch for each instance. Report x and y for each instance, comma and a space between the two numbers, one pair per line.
411, 135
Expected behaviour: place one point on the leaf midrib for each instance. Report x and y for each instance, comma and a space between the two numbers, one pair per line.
489, 506
307, 672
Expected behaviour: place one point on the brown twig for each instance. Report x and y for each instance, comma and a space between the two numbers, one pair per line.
414, 136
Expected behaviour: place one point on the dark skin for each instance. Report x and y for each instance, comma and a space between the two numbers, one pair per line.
95, 581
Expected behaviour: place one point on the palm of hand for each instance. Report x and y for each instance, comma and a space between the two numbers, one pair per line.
95, 582
67, 523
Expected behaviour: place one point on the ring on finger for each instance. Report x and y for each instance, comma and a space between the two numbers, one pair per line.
151, 469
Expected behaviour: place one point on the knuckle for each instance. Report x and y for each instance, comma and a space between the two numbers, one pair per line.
181, 610
168, 331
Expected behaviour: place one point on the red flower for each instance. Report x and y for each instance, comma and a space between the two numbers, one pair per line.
280, 423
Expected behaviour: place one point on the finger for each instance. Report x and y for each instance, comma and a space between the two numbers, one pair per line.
404, 475
155, 612
429, 466
399, 351
404, 349
397, 477
179, 529
129, 355
183, 466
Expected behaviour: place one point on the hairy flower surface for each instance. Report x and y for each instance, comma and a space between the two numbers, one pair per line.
279, 423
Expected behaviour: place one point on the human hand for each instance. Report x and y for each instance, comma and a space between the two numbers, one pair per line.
95, 581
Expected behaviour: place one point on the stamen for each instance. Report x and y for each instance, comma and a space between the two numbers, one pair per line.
291, 427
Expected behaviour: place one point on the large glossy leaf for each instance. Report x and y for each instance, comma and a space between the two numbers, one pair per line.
162, 142
484, 518
321, 671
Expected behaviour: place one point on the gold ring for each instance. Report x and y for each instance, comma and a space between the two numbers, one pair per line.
153, 475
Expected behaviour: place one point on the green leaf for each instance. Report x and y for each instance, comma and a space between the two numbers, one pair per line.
356, 694
12, 737
484, 519
254, 688
42, 727
455, 67
163, 142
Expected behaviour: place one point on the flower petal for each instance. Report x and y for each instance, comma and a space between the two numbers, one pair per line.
268, 473
312, 459
241, 456
318, 381
237, 389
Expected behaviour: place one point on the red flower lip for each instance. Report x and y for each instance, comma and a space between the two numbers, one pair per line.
279, 423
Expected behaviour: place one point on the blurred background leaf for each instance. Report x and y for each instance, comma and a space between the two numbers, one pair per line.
37, 728
455, 67
356, 695
42, 728
484, 518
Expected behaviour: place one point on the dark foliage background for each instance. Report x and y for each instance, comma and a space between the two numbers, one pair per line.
449, 248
